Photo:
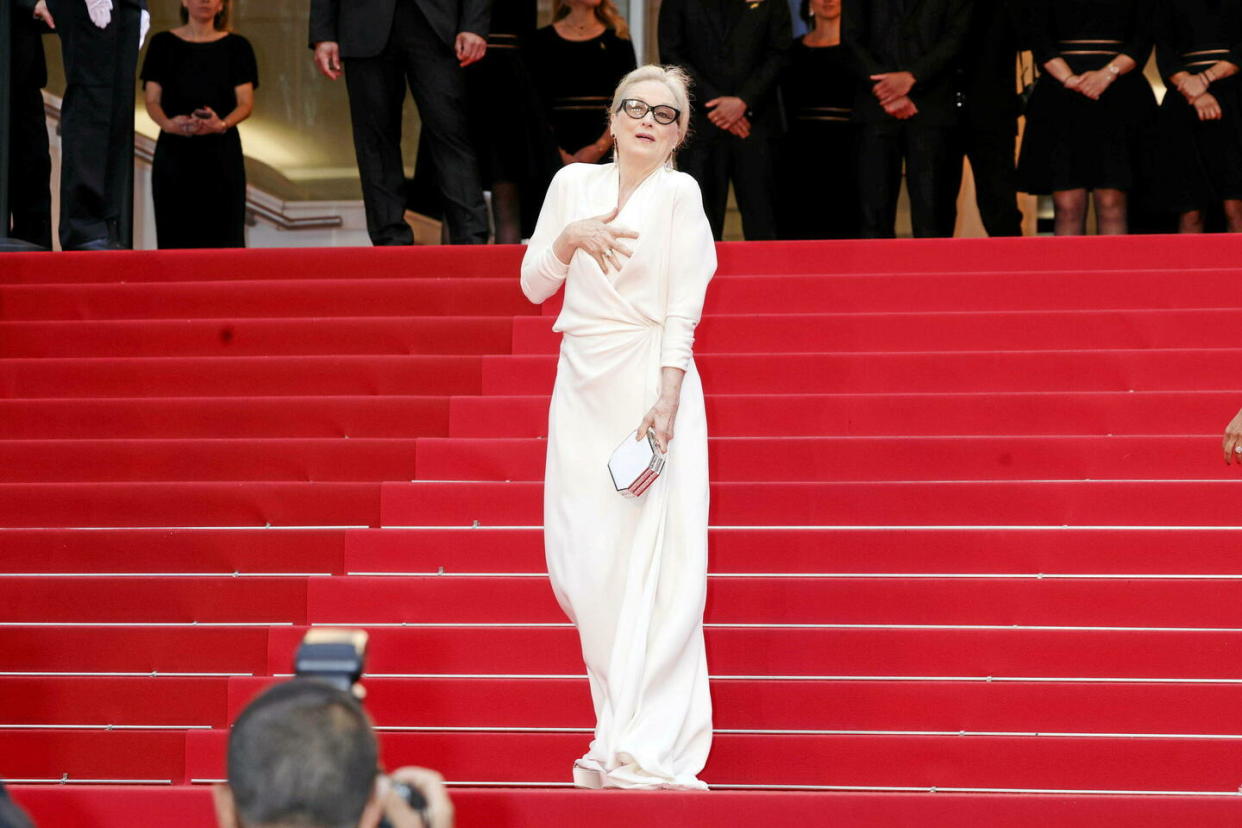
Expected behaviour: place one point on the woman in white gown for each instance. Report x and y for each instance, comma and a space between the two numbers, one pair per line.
632, 246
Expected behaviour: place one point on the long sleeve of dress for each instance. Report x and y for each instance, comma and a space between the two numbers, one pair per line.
543, 273
1168, 55
692, 263
1139, 39
1043, 33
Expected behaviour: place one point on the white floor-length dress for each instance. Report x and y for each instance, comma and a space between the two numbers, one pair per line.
630, 574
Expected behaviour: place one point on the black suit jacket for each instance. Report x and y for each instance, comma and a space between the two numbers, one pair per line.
729, 47
927, 42
361, 26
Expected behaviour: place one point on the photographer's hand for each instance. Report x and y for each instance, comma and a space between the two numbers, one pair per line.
439, 811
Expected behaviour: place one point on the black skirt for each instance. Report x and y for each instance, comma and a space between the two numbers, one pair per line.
198, 187
1201, 161
1072, 142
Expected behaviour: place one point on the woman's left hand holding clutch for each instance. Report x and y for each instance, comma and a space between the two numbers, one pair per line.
663, 414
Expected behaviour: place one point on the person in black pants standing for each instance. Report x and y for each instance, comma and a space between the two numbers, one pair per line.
385, 44
989, 129
99, 44
30, 164
906, 53
734, 50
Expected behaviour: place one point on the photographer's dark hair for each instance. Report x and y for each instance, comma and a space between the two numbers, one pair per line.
222, 17
302, 753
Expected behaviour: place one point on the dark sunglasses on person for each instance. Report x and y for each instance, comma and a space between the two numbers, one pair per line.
636, 109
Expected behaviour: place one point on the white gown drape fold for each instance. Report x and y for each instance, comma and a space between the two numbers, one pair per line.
630, 574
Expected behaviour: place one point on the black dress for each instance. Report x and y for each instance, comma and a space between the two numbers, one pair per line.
1071, 141
198, 182
1201, 161
576, 80
816, 167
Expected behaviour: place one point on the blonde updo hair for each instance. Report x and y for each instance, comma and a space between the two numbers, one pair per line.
673, 77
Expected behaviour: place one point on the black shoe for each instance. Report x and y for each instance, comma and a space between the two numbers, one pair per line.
12, 244
100, 244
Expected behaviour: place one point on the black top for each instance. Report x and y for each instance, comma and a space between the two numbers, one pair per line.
1212, 27
1124, 26
924, 38
195, 75
729, 47
576, 80
818, 84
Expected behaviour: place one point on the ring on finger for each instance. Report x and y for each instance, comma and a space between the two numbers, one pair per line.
1237, 449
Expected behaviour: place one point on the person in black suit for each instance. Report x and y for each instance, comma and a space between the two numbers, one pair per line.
734, 51
384, 44
30, 164
99, 45
989, 128
906, 52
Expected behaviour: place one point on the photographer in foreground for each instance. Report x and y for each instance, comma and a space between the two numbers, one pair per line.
305, 754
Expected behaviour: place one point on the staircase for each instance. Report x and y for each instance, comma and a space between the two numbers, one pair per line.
975, 556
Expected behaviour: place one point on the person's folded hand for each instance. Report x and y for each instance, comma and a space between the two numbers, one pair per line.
469, 47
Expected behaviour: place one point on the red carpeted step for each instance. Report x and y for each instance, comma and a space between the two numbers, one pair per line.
991, 762
831, 290
92, 755
115, 806
757, 704
1079, 289
105, 806
1001, 413
208, 417
947, 503
239, 376
259, 299
869, 458
172, 550
978, 654
77, 505
946, 331
267, 263
103, 649
153, 599
1076, 255
1029, 601
1168, 370
128, 701
330, 460
1053, 550
257, 337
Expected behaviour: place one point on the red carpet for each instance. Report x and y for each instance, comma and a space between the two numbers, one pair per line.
973, 556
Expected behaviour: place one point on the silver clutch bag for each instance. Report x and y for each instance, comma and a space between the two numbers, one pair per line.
636, 464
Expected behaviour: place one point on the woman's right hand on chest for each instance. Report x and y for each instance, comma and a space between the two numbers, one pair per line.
599, 238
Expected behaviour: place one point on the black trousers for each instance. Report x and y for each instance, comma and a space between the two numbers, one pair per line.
991, 154
933, 177
30, 165
97, 123
717, 157
413, 55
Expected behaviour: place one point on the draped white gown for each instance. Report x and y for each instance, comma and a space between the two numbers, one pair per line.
630, 574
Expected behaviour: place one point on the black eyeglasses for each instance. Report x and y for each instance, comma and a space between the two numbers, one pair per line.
637, 109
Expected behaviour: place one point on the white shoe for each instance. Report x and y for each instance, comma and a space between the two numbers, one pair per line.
587, 777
